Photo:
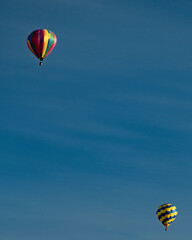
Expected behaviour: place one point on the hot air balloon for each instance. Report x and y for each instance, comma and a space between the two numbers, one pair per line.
41, 42
166, 214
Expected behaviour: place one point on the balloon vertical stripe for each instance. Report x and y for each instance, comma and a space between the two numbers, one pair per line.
46, 36
36, 42
31, 48
31, 45
53, 41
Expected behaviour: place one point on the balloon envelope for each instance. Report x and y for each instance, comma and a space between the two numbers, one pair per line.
166, 214
41, 42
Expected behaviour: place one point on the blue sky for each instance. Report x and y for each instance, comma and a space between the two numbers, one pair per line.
92, 142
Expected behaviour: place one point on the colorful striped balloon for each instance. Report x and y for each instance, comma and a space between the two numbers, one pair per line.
41, 42
166, 214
